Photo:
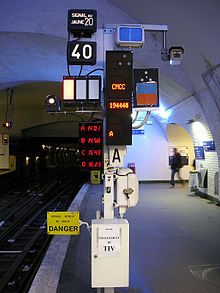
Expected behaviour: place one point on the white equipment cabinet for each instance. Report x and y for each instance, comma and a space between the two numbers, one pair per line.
110, 253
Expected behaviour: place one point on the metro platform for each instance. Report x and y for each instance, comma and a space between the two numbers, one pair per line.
174, 245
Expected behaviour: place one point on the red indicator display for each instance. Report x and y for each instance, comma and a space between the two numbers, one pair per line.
118, 122
91, 146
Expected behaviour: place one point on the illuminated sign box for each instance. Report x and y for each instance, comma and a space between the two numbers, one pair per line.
91, 146
146, 89
146, 93
81, 53
82, 89
82, 22
130, 36
209, 146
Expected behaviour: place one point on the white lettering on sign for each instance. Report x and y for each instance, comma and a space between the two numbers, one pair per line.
77, 21
78, 15
87, 51
109, 241
86, 21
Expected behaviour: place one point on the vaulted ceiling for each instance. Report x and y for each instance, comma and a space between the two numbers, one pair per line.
33, 38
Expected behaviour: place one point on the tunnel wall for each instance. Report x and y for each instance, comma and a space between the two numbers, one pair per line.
199, 131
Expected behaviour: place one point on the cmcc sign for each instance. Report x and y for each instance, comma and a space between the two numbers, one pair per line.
119, 86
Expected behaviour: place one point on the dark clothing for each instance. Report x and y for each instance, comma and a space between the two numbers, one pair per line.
176, 164
176, 161
173, 172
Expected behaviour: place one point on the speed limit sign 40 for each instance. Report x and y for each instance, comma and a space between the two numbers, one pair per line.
81, 53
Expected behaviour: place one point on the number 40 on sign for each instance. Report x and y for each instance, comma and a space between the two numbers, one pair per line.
81, 53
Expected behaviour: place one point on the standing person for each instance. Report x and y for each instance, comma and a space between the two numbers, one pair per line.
176, 164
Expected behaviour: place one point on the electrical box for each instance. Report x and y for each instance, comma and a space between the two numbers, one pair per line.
127, 190
110, 253
118, 97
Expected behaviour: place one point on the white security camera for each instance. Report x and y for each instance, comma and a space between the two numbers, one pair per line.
176, 55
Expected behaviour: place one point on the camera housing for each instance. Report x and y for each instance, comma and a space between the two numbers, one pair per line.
176, 55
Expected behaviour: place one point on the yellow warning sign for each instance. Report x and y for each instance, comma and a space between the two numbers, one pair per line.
63, 223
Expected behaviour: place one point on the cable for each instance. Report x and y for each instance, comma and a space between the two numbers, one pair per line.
68, 67
143, 122
136, 116
92, 115
80, 70
94, 71
87, 225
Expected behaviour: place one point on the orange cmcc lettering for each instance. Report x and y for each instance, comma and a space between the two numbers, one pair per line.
119, 86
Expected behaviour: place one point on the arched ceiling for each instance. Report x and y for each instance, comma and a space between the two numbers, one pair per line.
33, 38
192, 24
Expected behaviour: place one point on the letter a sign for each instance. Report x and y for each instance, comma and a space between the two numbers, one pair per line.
116, 154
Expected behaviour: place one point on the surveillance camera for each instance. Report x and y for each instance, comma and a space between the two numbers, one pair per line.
176, 55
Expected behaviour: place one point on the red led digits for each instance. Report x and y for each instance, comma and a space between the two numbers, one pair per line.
91, 145
94, 140
97, 152
94, 128
94, 153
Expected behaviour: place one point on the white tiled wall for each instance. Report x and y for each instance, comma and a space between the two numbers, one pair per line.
150, 152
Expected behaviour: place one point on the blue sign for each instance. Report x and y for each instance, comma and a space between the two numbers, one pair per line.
199, 153
209, 146
137, 131
185, 160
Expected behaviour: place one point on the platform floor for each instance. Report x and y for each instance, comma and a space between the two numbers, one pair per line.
174, 245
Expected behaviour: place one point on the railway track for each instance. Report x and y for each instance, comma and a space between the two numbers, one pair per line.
23, 236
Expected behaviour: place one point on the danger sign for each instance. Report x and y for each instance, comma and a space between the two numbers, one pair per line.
63, 223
